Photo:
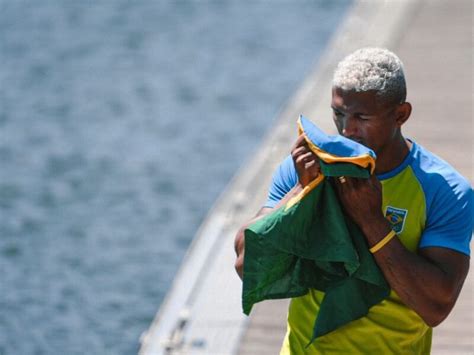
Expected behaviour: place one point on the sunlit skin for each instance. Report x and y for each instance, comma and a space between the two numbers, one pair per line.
429, 282
375, 123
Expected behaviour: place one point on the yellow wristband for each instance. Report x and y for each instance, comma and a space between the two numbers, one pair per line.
384, 241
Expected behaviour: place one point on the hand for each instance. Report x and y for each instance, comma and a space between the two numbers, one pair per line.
306, 162
362, 201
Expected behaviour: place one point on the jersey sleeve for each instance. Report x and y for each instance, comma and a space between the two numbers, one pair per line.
449, 222
284, 179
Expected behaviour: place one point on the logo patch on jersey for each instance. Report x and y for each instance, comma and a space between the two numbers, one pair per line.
396, 217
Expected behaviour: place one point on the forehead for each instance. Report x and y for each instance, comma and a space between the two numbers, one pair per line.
351, 100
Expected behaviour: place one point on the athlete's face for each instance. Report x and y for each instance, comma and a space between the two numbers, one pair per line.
364, 118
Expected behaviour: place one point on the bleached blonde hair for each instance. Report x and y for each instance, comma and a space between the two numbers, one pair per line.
375, 69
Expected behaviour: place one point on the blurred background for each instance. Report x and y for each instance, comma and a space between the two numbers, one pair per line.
120, 124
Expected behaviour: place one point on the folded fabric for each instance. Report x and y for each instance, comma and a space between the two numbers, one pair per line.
310, 243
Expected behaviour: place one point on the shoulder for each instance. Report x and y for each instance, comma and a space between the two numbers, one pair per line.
286, 171
284, 179
437, 177
448, 198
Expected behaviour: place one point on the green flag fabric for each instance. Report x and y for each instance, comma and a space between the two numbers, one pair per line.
311, 243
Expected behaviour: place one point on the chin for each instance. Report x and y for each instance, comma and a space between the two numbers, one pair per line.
365, 144
360, 141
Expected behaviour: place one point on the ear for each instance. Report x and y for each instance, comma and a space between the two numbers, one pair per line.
403, 113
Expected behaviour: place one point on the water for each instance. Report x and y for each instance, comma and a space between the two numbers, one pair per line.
120, 123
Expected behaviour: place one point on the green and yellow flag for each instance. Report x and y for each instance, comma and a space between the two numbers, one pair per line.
311, 243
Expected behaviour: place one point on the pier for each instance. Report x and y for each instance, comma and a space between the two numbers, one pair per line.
202, 312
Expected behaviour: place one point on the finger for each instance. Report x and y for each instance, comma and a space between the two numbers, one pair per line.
303, 155
299, 151
375, 182
339, 189
306, 157
351, 182
313, 163
356, 183
360, 182
344, 183
373, 179
299, 142
313, 168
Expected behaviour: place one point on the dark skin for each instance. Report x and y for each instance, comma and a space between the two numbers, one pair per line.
429, 282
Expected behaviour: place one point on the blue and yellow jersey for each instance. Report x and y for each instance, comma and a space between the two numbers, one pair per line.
428, 204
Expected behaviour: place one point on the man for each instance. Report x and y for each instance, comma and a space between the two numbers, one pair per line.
413, 193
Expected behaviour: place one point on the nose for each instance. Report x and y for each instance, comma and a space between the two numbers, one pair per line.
349, 126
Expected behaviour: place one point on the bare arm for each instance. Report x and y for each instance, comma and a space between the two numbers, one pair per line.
239, 242
428, 282
307, 166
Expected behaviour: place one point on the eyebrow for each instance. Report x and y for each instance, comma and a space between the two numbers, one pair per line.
355, 113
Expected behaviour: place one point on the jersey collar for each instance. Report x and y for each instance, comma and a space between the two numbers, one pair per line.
407, 161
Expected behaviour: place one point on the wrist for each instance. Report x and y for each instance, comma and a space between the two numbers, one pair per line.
375, 230
383, 242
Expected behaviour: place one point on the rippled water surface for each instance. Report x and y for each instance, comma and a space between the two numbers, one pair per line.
120, 123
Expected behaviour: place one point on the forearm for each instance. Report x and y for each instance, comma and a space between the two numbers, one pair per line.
239, 242
420, 283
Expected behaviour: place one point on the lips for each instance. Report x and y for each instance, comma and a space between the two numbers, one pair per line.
358, 140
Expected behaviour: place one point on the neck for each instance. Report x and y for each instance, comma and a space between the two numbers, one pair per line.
392, 155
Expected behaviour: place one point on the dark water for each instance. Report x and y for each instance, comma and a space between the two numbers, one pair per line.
120, 123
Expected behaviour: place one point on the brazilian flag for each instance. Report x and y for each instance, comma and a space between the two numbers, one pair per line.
311, 243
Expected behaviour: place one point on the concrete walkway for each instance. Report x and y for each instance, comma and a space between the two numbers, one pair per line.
437, 53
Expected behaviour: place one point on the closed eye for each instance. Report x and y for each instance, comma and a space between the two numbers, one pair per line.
363, 116
337, 113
